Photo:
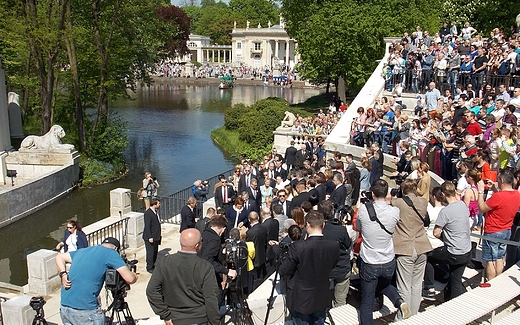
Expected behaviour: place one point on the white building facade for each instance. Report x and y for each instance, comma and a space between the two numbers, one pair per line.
259, 47
201, 50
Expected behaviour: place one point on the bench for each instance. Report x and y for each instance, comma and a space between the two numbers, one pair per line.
475, 303
511, 319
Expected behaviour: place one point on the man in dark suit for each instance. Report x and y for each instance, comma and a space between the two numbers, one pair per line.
339, 194
211, 251
351, 165
282, 200
272, 227
188, 214
224, 194
301, 197
302, 155
310, 262
380, 157
152, 233
258, 235
279, 170
290, 156
249, 203
254, 194
334, 230
245, 180
271, 172
319, 189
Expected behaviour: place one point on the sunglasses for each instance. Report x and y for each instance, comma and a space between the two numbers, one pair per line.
70, 227
281, 195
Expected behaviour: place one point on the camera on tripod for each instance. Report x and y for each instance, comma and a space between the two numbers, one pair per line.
113, 280
37, 303
231, 250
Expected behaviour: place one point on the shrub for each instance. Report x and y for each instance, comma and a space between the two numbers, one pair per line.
232, 116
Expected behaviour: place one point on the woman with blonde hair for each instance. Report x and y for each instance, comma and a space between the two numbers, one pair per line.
423, 187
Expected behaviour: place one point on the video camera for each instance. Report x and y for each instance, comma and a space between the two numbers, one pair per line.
396, 192
366, 196
37, 303
343, 214
231, 250
113, 280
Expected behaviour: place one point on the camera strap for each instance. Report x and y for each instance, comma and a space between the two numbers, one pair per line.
373, 216
408, 201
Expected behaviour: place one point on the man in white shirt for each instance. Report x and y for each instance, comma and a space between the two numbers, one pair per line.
499, 110
504, 95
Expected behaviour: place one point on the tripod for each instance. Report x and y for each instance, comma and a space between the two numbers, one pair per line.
120, 308
39, 318
270, 300
237, 310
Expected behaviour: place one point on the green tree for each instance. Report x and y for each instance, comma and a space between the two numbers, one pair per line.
343, 39
256, 11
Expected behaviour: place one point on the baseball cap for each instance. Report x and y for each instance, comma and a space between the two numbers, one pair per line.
113, 241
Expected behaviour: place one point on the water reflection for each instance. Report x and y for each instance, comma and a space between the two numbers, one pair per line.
169, 133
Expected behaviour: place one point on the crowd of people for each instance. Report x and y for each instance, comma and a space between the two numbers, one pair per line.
170, 69
324, 220
453, 59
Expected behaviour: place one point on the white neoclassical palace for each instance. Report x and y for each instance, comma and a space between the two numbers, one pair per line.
261, 46
251, 46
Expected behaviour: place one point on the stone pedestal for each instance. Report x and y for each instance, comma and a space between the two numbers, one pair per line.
188, 70
43, 275
120, 202
52, 157
135, 229
16, 311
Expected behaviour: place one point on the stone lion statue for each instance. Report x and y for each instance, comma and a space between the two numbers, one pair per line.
50, 140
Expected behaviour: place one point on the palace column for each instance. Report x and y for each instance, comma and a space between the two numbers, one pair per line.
276, 50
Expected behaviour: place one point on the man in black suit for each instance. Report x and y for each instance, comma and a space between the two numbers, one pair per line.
224, 194
282, 200
188, 214
310, 262
319, 190
334, 230
339, 194
210, 251
254, 194
249, 203
351, 165
152, 233
271, 172
272, 227
380, 159
290, 156
245, 180
302, 155
279, 170
258, 235
302, 196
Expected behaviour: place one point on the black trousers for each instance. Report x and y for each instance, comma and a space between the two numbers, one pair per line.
151, 254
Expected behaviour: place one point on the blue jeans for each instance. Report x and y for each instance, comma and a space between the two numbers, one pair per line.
375, 278
453, 76
71, 316
387, 140
316, 318
492, 251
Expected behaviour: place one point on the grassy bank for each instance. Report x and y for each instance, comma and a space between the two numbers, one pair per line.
229, 142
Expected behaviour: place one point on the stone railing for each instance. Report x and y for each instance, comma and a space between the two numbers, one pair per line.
366, 97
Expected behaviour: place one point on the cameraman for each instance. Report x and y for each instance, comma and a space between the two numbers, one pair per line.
334, 230
82, 284
201, 190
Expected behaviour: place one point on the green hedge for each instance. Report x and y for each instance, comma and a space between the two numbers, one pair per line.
248, 130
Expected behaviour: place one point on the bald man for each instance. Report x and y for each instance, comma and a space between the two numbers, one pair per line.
183, 288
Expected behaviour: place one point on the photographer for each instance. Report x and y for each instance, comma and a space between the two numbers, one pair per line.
411, 244
211, 250
334, 230
201, 190
376, 222
82, 284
